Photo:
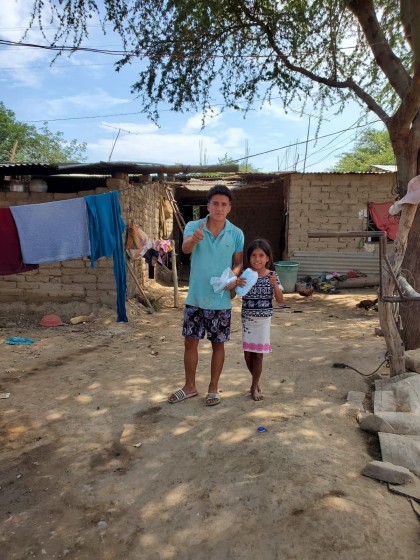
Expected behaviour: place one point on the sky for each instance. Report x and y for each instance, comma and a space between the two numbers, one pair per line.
83, 97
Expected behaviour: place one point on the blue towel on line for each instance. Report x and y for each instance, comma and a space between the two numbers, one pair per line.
106, 228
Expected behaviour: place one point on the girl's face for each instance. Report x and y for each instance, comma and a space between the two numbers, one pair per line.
258, 260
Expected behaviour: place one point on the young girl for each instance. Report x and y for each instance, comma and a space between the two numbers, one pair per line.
257, 310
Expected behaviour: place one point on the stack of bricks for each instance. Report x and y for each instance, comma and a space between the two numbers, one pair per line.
333, 202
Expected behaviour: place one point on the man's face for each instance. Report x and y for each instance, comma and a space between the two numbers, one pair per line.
219, 207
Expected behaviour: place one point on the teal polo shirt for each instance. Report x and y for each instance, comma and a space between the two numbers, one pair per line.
210, 258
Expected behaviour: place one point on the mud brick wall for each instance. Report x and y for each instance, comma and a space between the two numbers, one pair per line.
75, 280
332, 202
141, 205
259, 210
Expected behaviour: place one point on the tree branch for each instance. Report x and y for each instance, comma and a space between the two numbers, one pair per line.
347, 84
388, 62
410, 18
408, 109
409, 106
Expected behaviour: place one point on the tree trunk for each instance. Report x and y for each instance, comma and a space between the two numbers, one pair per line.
389, 312
400, 323
410, 311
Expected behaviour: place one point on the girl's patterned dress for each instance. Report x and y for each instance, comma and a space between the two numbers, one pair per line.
257, 310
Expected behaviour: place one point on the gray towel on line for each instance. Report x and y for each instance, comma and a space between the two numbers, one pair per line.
52, 231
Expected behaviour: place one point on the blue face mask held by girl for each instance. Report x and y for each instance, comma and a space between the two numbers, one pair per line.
251, 277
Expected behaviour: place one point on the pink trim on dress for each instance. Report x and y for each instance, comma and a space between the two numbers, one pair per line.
252, 347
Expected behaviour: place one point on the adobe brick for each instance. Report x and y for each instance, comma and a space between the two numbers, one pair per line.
63, 196
40, 197
101, 285
17, 196
115, 184
76, 263
79, 279
31, 279
49, 271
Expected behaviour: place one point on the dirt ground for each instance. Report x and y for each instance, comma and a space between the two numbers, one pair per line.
96, 465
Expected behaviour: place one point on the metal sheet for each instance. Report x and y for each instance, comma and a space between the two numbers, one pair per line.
312, 263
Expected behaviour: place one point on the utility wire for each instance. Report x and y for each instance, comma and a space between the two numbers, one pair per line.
310, 140
131, 113
274, 149
72, 49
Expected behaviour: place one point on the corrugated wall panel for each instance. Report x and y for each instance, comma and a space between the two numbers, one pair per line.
312, 263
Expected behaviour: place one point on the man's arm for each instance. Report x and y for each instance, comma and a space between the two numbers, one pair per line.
238, 263
191, 240
188, 245
237, 266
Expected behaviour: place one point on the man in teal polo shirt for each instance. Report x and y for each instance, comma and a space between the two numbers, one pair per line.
215, 244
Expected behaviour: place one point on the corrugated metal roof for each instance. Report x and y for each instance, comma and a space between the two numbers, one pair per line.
108, 167
10, 168
195, 184
312, 263
384, 168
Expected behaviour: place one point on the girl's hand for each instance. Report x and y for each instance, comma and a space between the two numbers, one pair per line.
273, 279
240, 281
232, 285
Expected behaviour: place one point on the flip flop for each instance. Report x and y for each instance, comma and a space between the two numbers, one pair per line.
181, 395
212, 397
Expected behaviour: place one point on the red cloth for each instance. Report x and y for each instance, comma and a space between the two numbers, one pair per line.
10, 253
382, 219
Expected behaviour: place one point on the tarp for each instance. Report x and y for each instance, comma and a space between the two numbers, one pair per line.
382, 219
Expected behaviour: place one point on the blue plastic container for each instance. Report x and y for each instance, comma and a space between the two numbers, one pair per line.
251, 277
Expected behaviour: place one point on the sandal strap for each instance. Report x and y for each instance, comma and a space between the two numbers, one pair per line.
179, 394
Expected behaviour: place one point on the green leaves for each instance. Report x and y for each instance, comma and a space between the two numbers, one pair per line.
40, 146
372, 148
235, 53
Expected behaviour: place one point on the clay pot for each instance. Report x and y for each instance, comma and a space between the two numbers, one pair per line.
17, 187
38, 185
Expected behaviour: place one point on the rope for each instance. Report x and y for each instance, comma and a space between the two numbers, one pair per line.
346, 366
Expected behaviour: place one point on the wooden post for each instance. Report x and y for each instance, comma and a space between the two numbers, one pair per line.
174, 275
131, 271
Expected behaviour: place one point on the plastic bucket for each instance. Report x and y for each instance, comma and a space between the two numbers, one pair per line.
287, 271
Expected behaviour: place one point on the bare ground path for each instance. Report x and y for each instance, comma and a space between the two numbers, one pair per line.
204, 483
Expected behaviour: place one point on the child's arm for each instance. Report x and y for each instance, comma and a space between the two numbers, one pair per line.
232, 293
278, 294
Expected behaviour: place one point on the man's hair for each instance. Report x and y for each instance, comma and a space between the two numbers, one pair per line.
219, 189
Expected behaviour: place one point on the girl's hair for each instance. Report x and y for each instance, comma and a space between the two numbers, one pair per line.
264, 245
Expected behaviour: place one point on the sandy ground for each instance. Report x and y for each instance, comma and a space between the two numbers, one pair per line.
204, 483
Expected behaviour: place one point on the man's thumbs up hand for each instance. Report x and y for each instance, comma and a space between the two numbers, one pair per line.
198, 235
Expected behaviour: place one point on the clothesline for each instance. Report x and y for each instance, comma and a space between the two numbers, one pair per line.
89, 226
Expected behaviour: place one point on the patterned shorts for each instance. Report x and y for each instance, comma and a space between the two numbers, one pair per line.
215, 321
